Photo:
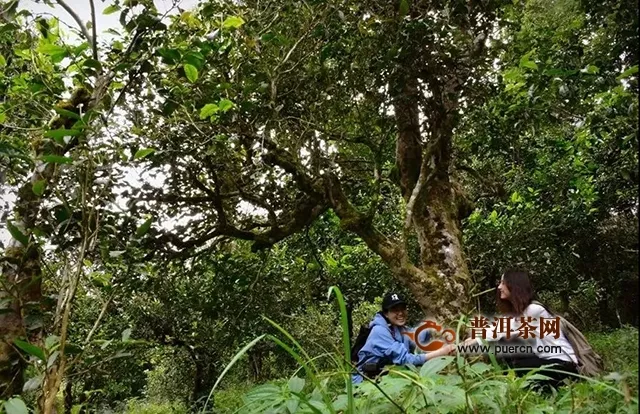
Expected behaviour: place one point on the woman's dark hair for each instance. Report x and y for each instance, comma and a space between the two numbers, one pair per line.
519, 286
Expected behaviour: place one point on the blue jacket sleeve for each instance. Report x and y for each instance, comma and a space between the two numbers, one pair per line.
383, 344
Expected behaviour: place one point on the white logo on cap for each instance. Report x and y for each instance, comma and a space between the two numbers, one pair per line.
394, 297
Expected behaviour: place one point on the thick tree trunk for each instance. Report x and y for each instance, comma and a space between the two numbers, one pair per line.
432, 206
439, 236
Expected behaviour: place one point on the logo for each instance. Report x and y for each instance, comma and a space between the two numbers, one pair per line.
448, 335
394, 297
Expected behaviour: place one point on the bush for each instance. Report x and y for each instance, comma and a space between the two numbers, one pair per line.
619, 350
136, 406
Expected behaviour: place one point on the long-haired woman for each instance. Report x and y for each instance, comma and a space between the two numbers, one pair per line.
515, 300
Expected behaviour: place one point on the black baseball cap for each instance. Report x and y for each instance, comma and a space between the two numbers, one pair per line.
392, 299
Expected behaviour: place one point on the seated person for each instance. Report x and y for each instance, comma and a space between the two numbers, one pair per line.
515, 300
386, 343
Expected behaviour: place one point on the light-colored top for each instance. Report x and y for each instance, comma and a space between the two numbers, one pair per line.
548, 343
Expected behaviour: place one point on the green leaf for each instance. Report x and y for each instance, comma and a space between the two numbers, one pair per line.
143, 153
17, 234
591, 69
526, 62
296, 384
38, 187
144, 227
631, 71
208, 110
435, 365
81, 48
111, 9
71, 349
404, 8
15, 406
126, 334
515, 197
58, 134
65, 112
92, 63
225, 104
30, 349
57, 159
52, 50
51, 341
3, 62
191, 72
233, 22
170, 56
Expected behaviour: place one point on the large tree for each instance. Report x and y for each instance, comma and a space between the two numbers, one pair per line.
292, 109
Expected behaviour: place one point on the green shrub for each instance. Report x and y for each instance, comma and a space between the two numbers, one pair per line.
136, 406
619, 350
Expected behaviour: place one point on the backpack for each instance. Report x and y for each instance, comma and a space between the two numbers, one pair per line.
361, 339
589, 362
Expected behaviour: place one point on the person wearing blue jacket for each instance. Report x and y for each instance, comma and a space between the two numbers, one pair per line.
386, 343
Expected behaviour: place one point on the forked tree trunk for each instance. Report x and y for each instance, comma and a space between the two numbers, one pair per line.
441, 285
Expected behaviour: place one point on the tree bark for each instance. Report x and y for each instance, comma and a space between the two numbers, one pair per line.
432, 203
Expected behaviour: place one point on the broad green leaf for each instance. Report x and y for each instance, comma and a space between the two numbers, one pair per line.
233, 22
143, 153
61, 133
3, 62
30, 349
404, 8
435, 365
52, 50
225, 104
15, 406
65, 112
111, 9
144, 227
92, 63
529, 64
51, 341
17, 234
170, 56
38, 187
208, 110
631, 71
296, 384
526, 62
81, 48
57, 159
191, 72
292, 405
33, 383
72, 349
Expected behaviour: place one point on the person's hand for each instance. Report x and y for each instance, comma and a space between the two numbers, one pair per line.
453, 350
469, 341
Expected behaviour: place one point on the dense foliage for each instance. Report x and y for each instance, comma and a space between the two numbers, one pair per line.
174, 189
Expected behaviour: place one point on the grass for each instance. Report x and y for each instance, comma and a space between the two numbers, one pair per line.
442, 385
